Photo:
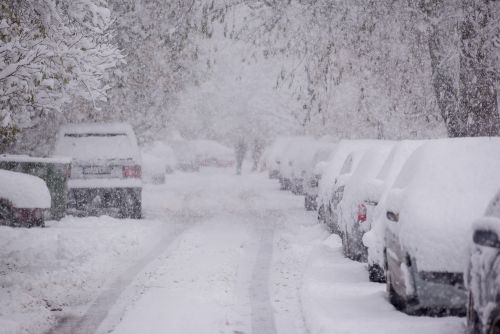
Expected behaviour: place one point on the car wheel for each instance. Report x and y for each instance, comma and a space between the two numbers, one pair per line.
345, 244
395, 299
376, 273
494, 324
131, 206
473, 322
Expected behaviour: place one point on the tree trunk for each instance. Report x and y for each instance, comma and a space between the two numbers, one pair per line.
478, 95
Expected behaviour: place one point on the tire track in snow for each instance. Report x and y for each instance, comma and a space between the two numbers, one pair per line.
98, 310
262, 317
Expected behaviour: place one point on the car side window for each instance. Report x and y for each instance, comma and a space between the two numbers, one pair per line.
347, 166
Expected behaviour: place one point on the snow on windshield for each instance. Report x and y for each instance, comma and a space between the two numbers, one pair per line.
93, 146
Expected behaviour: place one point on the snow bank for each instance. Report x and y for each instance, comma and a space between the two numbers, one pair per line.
64, 266
377, 189
24, 191
338, 298
443, 187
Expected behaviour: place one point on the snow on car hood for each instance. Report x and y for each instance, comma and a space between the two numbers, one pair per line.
443, 187
23, 190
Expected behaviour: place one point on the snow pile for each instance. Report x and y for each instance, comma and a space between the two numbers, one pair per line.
338, 298
64, 266
84, 142
443, 187
377, 190
24, 191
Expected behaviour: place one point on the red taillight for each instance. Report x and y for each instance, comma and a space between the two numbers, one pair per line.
132, 171
361, 213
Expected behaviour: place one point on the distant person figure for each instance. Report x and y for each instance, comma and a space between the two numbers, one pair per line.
257, 149
241, 151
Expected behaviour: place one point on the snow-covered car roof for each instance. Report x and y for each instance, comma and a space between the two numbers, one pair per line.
276, 150
94, 141
442, 188
23, 190
310, 155
293, 151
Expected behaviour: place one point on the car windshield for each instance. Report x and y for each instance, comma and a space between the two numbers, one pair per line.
91, 146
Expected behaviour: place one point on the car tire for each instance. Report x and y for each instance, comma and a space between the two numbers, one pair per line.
493, 323
394, 298
131, 206
376, 273
473, 322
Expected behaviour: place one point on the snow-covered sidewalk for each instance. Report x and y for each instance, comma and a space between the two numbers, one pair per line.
217, 253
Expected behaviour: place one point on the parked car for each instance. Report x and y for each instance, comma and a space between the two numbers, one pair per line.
312, 178
106, 169
442, 188
330, 188
306, 156
329, 172
376, 193
271, 158
293, 150
24, 200
358, 204
483, 273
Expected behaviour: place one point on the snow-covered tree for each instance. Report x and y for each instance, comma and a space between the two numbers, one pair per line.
51, 53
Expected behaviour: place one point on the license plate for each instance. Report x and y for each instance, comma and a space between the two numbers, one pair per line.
97, 170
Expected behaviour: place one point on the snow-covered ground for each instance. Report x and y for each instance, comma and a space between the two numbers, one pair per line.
217, 253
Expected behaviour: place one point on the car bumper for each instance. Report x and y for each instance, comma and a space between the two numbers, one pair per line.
101, 201
441, 290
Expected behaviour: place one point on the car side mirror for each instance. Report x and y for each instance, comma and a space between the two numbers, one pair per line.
486, 238
392, 216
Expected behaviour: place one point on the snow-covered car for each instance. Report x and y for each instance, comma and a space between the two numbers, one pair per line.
290, 155
306, 156
376, 193
158, 159
357, 204
24, 199
329, 189
271, 158
194, 154
313, 176
442, 188
106, 169
483, 273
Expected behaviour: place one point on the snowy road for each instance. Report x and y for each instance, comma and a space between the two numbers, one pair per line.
216, 253
255, 262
